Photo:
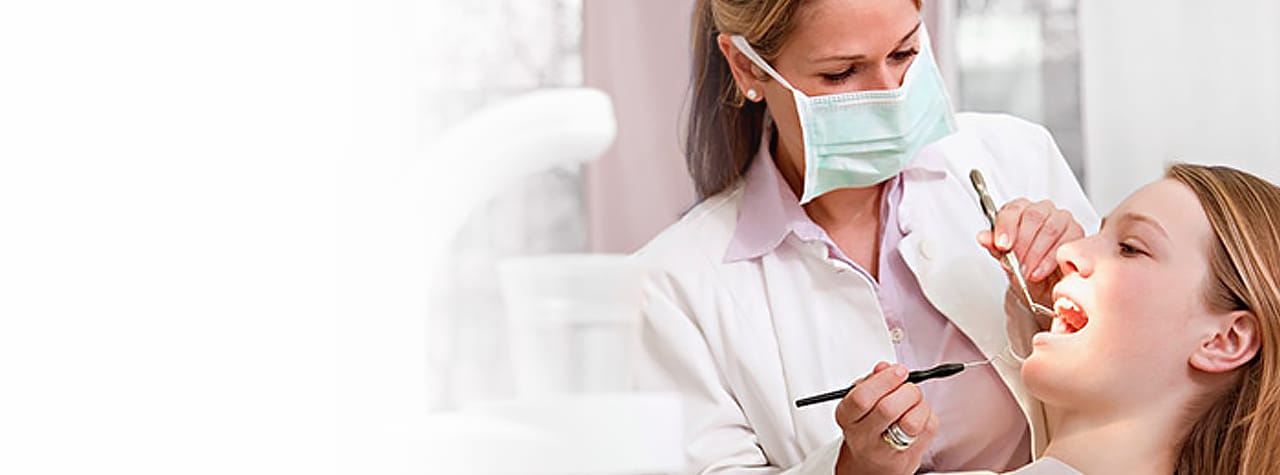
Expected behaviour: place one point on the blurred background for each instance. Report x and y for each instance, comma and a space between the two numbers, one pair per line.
390, 236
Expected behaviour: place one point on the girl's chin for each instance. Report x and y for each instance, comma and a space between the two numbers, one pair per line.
1053, 382
1038, 374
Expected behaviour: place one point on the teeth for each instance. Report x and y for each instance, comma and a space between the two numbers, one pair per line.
1059, 327
1064, 304
1069, 317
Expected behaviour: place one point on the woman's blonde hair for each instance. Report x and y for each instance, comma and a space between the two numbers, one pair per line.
724, 129
1240, 433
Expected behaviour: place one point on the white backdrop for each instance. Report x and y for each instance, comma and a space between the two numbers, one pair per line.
1182, 80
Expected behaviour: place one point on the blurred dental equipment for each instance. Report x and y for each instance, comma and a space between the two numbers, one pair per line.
571, 320
917, 376
1010, 260
490, 150
572, 326
476, 158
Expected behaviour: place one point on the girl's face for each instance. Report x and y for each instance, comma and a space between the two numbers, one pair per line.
1131, 306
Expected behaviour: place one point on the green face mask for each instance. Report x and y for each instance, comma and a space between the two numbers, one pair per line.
858, 139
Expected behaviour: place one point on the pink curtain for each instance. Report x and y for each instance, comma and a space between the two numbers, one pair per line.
638, 52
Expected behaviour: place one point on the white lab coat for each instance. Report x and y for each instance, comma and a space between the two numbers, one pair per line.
741, 341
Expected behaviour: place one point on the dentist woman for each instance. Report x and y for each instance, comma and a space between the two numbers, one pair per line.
836, 233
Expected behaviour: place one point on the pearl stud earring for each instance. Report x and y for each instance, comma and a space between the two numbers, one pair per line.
752, 94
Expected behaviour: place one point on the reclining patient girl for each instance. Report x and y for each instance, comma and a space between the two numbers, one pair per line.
1163, 357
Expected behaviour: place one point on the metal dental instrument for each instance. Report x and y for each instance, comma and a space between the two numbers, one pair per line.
940, 371
1010, 260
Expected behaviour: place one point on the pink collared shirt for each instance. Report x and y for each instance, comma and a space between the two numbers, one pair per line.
982, 427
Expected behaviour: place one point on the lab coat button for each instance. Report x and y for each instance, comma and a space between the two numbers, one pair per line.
896, 334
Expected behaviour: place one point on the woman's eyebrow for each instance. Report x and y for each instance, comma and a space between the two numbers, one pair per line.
860, 57
910, 33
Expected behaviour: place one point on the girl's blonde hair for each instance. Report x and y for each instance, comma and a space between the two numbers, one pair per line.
1240, 432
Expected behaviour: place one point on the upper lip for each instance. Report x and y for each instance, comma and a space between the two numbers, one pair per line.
1062, 290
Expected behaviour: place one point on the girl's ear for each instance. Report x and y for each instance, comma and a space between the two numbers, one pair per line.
1231, 345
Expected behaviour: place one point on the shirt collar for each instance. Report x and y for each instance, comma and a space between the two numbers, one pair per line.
770, 210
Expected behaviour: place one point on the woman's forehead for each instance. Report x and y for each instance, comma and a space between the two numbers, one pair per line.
828, 28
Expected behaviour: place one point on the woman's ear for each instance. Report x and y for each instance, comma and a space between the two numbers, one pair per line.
1233, 344
742, 68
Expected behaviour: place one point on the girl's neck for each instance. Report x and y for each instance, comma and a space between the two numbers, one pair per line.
1146, 441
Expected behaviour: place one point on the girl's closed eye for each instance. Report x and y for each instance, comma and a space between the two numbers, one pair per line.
1130, 250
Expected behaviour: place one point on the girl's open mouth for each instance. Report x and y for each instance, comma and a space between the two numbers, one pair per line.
1070, 318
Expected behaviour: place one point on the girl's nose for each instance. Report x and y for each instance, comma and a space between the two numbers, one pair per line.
1072, 258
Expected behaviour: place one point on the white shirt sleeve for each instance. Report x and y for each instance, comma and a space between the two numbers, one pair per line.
677, 357
820, 462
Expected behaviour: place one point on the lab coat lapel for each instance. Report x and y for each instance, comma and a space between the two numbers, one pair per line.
955, 273
957, 276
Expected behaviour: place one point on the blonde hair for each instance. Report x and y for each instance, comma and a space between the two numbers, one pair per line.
1240, 431
724, 129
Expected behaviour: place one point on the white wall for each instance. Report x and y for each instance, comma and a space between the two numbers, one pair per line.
1178, 80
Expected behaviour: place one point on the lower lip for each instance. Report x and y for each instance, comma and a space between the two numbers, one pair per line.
1043, 338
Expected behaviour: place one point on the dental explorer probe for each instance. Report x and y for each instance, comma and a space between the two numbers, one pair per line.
940, 371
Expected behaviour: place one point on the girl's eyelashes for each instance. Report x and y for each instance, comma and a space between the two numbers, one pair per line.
1129, 250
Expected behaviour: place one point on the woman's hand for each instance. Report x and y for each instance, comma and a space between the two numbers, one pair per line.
877, 401
1033, 231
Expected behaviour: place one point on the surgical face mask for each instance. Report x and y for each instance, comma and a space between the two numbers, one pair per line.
861, 138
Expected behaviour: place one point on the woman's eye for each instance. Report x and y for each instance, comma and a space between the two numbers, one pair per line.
904, 54
897, 57
840, 76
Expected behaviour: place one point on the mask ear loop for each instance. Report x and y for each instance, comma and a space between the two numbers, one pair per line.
743, 46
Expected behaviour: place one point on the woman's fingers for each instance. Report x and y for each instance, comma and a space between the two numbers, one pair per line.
1008, 220
868, 392
1033, 232
1049, 264
1044, 243
1032, 219
876, 401
916, 417
893, 406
